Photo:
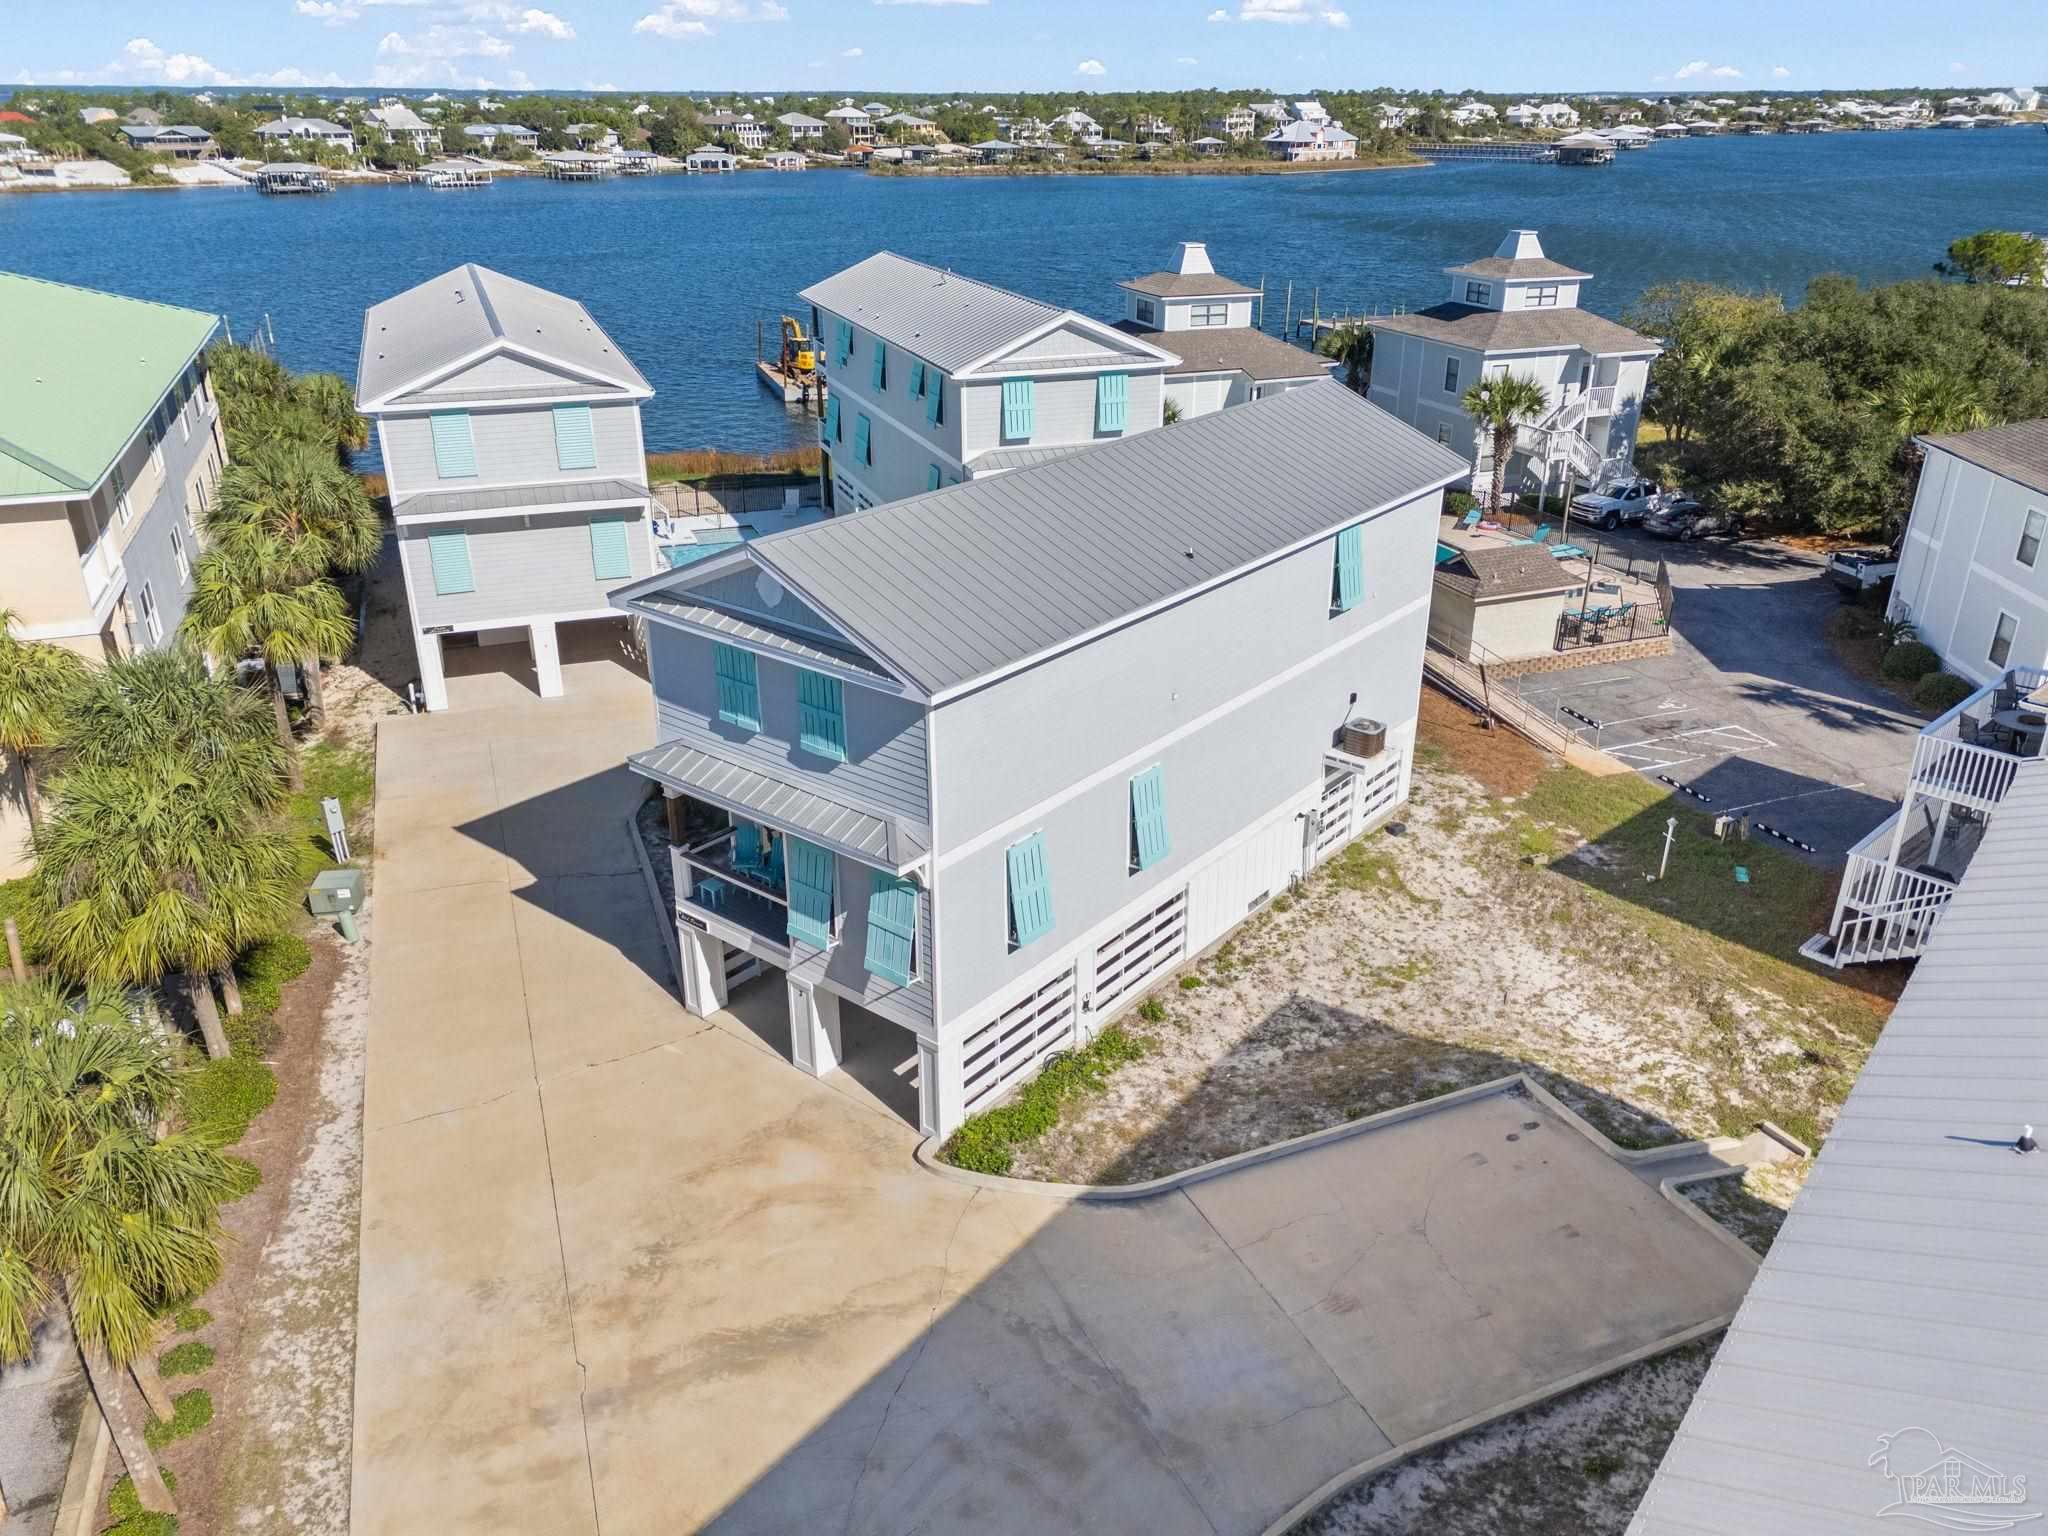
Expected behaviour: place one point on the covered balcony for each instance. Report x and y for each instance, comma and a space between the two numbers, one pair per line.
729, 877
1971, 754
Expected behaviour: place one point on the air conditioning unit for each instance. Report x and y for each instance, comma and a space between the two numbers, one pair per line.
1362, 737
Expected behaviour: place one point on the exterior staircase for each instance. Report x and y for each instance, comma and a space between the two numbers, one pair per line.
1560, 437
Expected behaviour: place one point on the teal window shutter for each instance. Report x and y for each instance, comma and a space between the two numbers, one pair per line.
931, 477
935, 401
449, 553
1112, 401
1030, 891
821, 715
1347, 584
892, 928
575, 438
810, 893
916, 377
610, 558
845, 347
881, 373
739, 691
1016, 408
863, 449
832, 420
1149, 842
454, 446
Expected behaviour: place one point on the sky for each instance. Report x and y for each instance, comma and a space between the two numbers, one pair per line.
939, 46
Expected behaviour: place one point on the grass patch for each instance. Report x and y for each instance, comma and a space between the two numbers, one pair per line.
190, 1412
348, 774
713, 464
1152, 1011
190, 1319
263, 970
1368, 865
982, 1143
220, 1098
186, 1359
1190, 983
131, 1519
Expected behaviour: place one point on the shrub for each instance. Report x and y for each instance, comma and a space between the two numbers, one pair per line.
983, 1142
1939, 692
1458, 503
143, 1523
220, 1098
1852, 623
1909, 661
1152, 1011
190, 1412
186, 1359
263, 970
1190, 983
122, 1503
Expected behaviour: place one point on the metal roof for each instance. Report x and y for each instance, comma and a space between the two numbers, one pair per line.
888, 841
84, 370
1024, 458
946, 319
1507, 330
2017, 450
1899, 1313
954, 586
1233, 348
684, 606
498, 499
470, 311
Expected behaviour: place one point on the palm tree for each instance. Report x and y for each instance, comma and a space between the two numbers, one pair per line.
1350, 345
249, 596
328, 400
37, 683
164, 701
96, 1210
1919, 401
1499, 406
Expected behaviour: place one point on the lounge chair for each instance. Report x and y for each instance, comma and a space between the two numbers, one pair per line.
1540, 536
746, 848
1566, 552
1470, 520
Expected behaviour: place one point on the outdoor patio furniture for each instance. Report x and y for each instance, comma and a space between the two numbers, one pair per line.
1486, 525
1608, 586
1470, 520
710, 893
1566, 552
746, 847
1541, 535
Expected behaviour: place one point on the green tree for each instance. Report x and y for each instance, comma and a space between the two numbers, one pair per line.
1703, 328
1996, 256
1350, 345
37, 684
100, 1213
330, 401
1498, 407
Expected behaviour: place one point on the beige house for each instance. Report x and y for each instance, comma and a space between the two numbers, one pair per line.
1500, 602
110, 448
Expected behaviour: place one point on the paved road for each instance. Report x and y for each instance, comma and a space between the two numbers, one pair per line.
1752, 709
627, 1270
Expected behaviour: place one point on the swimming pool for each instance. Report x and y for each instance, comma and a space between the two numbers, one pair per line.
1445, 553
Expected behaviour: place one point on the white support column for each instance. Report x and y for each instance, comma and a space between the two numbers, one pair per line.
940, 1091
813, 1029
433, 682
547, 658
703, 960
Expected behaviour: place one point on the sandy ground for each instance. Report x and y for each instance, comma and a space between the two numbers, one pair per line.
1428, 956
371, 684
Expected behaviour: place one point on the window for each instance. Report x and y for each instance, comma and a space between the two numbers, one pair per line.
610, 557
448, 553
454, 447
150, 616
1443, 432
881, 373
2030, 539
1208, 314
935, 400
178, 553
1149, 842
932, 477
1112, 401
917, 378
1017, 412
863, 442
154, 432
575, 438
1147, 314
1030, 891
2001, 639
834, 433
1479, 293
739, 689
1347, 580
821, 715
1543, 296
1450, 375
810, 893
892, 928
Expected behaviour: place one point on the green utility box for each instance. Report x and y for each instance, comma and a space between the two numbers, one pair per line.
335, 891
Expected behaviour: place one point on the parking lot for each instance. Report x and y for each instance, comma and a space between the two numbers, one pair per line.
1751, 711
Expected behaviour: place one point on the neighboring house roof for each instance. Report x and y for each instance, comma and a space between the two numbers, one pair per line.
957, 585
950, 321
800, 120
1903, 1292
551, 494
288, 126
1222, 349
2018, 450
400, 120
11, 116
1024, 458
183, 133
468, 313
1519, 266
1512, 570
1188, 285
1514, 330
85, 369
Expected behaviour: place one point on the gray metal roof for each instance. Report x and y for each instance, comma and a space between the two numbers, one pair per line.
942, 317
521, 498
683, 606
1903, 1296
1024, 458
2017, 450
888, 841
958, 584
467, 311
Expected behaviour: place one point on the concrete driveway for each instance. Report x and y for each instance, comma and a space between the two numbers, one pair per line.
627, 1270
1751, 709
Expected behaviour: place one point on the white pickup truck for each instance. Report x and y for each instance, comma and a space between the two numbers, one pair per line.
1861, 570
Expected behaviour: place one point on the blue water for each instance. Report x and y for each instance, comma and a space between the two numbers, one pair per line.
680, 268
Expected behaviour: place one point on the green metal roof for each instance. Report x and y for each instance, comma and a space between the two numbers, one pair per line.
82, 371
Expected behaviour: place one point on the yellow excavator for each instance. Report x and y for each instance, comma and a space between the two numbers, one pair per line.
799, 358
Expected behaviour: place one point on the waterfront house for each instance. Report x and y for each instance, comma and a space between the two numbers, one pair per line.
15, 149
401, 125
784, 160
593, 138
1271, 111
1206, 321
1518, 311
1210, 147
960, 777
1469, 114
741, 130
909, 124
1310, 112
96, 115
996, 151
508, 424
711, 161
1084, 128
802, 127
508, 135
283, 132
858, 127
1523, 114
1301, 142
181, 141
936, 378
110, 448
1238, 123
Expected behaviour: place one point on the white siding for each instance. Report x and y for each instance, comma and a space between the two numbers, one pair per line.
523, 567
1960, 567
514, 446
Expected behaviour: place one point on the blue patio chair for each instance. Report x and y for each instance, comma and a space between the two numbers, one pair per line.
1541, 535
1566, 552
772, 870
1470, 519
746, 846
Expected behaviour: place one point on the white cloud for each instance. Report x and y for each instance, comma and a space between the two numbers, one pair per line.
1090, 67
444, 42
1700, 67
850, 53
693, 18
339, 13
1219, 15
931, 2
142, 60
1780, 72
1184, 59
1292, 12
544, 24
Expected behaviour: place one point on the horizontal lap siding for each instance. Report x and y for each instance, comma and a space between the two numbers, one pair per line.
513, 447
846, 966
884, 772
522, 566
1063, 412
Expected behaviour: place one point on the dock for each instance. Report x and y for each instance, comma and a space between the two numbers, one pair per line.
283, 180
1486, 149
790, 391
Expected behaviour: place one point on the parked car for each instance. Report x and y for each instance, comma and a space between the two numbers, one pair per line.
1688, 518
1617, 501
1862, 570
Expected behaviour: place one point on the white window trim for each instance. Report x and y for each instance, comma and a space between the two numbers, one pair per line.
2035, 526
178, 554
1991, 653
